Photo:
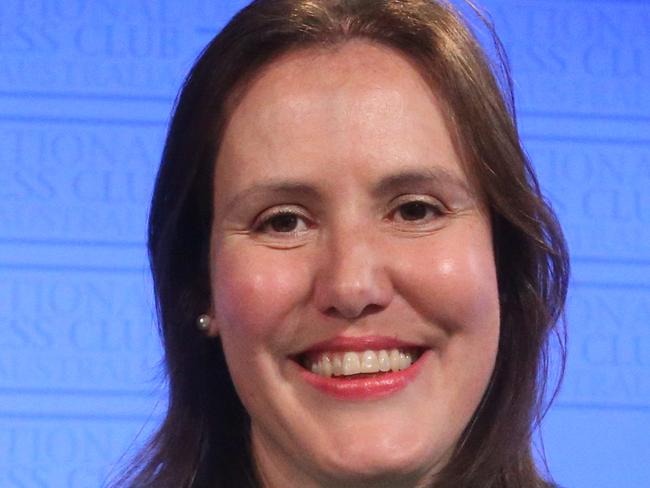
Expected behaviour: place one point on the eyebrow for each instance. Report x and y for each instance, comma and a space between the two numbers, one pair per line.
405, 180
402, 181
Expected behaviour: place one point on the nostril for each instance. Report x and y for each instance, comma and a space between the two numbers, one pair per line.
349, 290
371, 309
350, 313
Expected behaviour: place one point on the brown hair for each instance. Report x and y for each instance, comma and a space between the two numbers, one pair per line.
203, 440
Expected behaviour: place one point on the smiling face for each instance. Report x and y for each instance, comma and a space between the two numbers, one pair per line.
345, 226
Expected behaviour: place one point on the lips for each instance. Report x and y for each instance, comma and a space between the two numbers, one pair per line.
359, 344
348, 363
360, 367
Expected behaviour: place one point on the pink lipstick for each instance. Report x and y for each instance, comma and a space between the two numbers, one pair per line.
369, 382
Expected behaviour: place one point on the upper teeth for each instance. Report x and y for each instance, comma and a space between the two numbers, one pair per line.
349, 363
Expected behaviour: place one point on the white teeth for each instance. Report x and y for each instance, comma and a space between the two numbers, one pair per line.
404, 360
394, 360
384, 361
337, 365
326, 366
369, 362
315, 368
351, 363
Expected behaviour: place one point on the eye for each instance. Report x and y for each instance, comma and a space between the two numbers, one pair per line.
281, 222
419, 210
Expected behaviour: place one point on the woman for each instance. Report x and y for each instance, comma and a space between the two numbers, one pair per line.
356, 273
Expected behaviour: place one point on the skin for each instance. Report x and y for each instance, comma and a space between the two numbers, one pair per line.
353, 261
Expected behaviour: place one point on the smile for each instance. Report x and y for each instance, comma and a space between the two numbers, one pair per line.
353, 363
361, 368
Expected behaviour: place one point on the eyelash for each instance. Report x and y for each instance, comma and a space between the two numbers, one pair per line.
267, 220
437, 209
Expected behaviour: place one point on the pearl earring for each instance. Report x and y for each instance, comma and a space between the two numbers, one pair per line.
203, 322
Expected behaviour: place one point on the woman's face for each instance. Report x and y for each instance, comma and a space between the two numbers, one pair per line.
346, 240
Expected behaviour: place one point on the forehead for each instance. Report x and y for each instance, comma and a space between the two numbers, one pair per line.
359, 105
354, 64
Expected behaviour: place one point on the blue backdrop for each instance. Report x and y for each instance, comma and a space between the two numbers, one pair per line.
86, 88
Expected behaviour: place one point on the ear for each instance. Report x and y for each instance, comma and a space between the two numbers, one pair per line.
213, 327
207, 325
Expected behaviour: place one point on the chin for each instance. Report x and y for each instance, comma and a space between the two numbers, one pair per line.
390, 465
381, 475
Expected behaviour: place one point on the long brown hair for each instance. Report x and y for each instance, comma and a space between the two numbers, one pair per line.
203, 441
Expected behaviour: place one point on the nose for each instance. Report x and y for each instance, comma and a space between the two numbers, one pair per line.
352, 279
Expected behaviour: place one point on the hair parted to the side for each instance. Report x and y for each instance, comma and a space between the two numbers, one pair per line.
203, 441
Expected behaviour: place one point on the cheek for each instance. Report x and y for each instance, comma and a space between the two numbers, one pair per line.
253, 293
453, 281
